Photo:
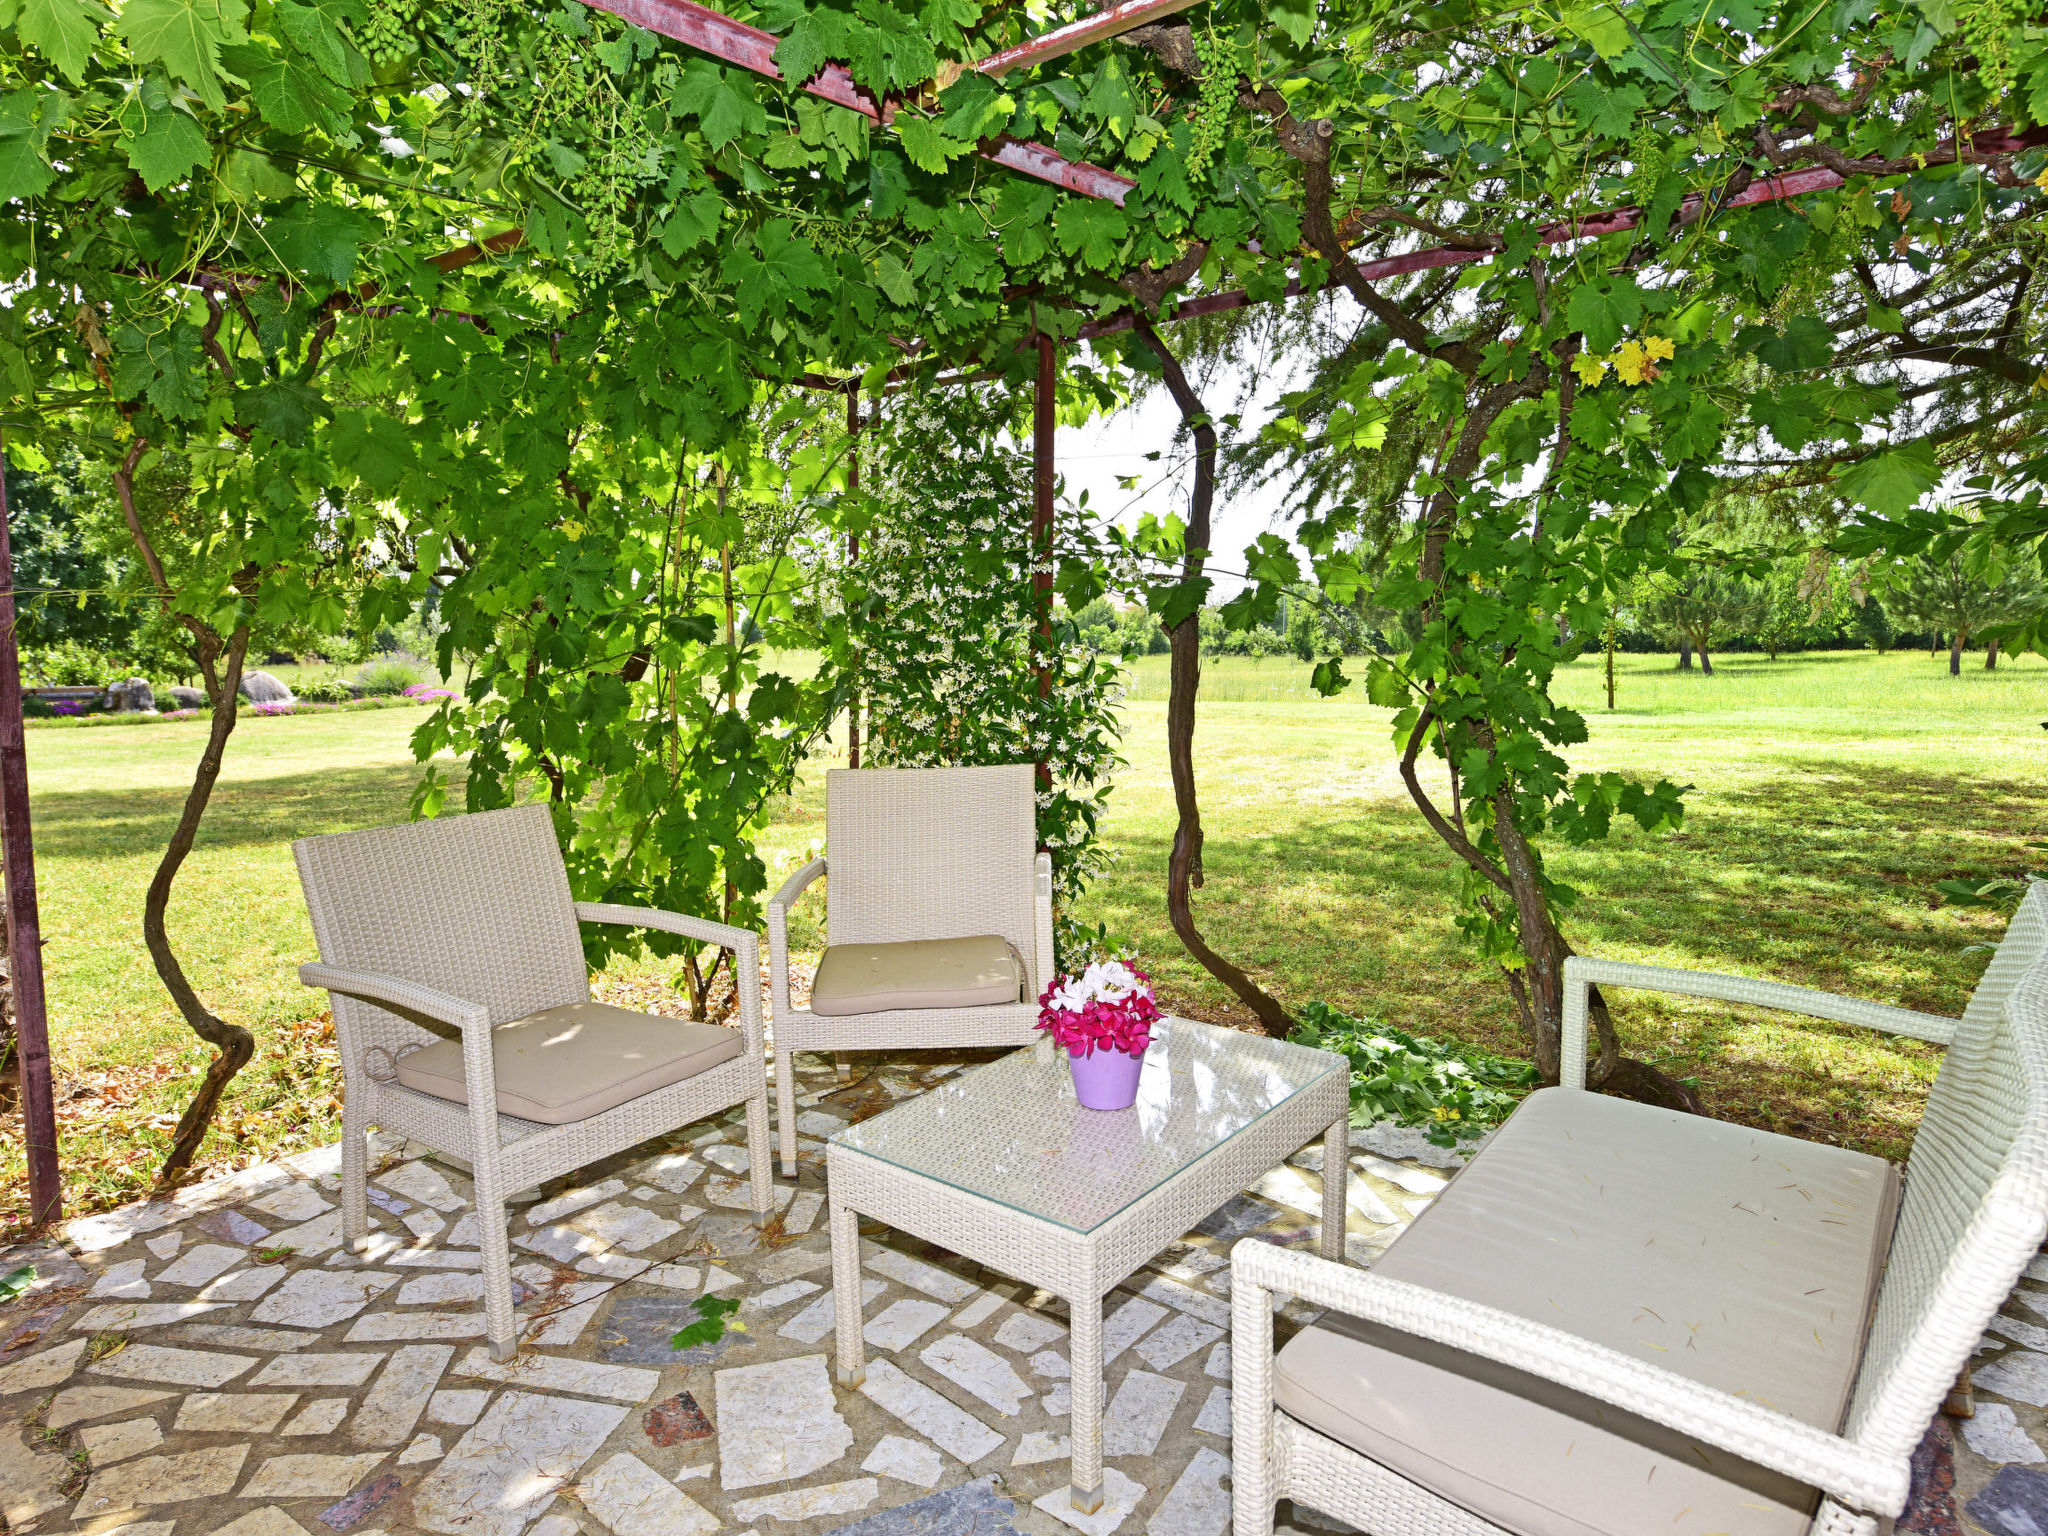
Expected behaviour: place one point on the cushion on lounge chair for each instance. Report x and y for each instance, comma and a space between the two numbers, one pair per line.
921, 973
1744, 1260
575, 1061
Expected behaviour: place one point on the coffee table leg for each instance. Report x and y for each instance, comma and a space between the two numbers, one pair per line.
1336, 1169
1085, 1422
846, 1320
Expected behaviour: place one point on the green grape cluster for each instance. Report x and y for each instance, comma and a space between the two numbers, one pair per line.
1648, 157
1990, 26
1222, 63
386, 33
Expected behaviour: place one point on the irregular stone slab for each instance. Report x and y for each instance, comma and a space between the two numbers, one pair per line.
975, 1368
2014, 1504
730, 1237
142, 1528
630, 1498
198, 1265
640, 1327
1174, 1341
511, 1463
315, 1298
1059, 1402
321, 1417
1196, 1504
309, 1476
423, 1224
565, 1245
267, 1521
815, 1122
628, 1227
460, 1406
1237, 1216
1417, 1181
203, 1474
1039, 1446
126, 1316
560, 1329
974, 1508
675, 1421
1995, 1434
339, 1370
1120, 1496
2018, 1330
233, 1227
164, 1244
553, 1373
1126, 1325
292, 1203
1365, 1200
1137, 1416
43, 1370
782, 1295
732, 1158
788, 1263
983, 1307
718, 1279
920, 1276
1409, 1143
419, 1182
1208, 1308
438, 1289
311, 1237
1028, 1332
244, 1413
1217, 1366
123, 1279
269, 1341
676, 1277
173, 1367
424, 1447
574, 1200
391, 1407
32, 1480
817, 1320
901, 1323
672, 1171
809, 1503
2021, 1375
383, 1327
1214, 1419
1052, 1365
94, 1234
433, 1258
109, 1443
910, 1461
244, 1284
803, 1211
363, 1503
738, 1194
777, 1422
74, 1405
953, 1429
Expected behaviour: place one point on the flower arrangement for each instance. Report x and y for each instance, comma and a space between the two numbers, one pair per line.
1107, 1007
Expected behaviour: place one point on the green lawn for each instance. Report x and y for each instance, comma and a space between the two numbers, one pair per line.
1831, 792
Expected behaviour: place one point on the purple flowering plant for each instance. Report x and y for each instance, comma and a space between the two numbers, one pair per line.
1108, 1007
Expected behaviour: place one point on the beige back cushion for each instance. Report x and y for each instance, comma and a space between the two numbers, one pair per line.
477, 906
931, 853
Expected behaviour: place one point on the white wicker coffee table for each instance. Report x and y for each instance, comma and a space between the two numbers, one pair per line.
1002, 1166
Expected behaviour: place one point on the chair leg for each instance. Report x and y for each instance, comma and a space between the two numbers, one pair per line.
355, 1174
500, 1326
841, 1067
785, 1105
758, 1151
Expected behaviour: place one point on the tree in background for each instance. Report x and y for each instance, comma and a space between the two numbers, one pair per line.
1950, 594
1698, 606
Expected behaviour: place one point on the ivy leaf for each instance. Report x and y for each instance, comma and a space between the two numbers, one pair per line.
63, 31
1604, 310
1090, 229
185, 36
1890, 482
168, 150
1806, 343
928, 144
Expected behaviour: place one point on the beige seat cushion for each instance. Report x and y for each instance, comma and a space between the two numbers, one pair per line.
575, 1061
1746, 1261
923, 973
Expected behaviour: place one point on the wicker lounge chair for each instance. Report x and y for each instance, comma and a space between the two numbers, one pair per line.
918, 856
467, 923
1618, 1319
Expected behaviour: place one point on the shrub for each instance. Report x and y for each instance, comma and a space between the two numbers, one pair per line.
1457, 1091
389, 674
325, 690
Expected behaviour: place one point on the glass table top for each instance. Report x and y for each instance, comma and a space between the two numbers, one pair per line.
1012, 1132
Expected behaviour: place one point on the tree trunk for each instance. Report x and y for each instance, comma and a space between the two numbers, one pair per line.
1991, 657
1706, 661
1955, 653
234, 1044
1685, 655
1184, 864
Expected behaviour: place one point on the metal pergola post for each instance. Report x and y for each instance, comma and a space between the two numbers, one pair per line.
853, 553
1043, 430
24, 929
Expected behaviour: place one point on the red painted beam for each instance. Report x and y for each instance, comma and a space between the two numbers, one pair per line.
1110, 21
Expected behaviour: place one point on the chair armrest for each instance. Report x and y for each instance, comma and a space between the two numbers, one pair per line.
1041, 892
778, 934
743, 942
1855, 1474
1582, 972
392, 992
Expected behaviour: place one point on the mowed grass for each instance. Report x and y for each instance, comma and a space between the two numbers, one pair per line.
1829, 793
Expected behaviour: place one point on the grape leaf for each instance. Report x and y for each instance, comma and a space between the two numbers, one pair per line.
712, 1311
63, 31
315, 30
1091, 230
167, 150
186, 37
320, 239
928, 144
1806, 343
1604, 310
27, 119
1890, 482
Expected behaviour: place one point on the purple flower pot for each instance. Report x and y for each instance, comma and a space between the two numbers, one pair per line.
1106, 1079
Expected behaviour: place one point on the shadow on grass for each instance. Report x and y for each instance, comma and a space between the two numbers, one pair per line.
91, 824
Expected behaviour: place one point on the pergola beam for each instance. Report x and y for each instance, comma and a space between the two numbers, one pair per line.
1110, 21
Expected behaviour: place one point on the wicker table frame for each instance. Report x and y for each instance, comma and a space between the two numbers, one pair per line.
1080, 1267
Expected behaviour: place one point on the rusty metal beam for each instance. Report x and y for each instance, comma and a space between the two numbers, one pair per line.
1110, 21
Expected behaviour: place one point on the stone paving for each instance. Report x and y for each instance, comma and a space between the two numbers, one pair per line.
216, 1364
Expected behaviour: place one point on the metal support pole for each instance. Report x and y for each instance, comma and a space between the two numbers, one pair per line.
853, 553
24, 930
1043, 427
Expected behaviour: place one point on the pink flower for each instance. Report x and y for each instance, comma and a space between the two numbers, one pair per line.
1107, 1008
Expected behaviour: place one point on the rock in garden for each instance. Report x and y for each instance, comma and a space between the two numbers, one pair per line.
262, 688
131, 697
188, 698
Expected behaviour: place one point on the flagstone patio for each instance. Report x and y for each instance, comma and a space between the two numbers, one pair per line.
176, 1372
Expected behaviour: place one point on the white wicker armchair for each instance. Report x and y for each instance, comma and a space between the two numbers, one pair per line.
918, 854
466, 923
1974, 1212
